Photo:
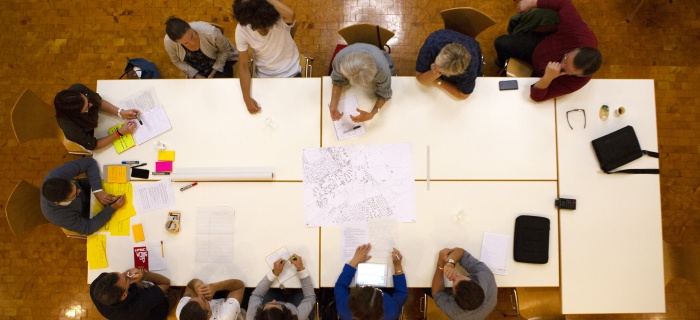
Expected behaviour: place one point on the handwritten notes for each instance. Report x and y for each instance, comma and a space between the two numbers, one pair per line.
124, 142
214, 235
97, 251
117, 173
288, 271
152, 196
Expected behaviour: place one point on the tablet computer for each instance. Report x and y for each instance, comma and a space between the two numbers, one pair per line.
371, 274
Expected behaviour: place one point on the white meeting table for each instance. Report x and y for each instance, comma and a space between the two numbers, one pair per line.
611, 245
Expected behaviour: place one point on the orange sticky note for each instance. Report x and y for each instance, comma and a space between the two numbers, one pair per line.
138, 232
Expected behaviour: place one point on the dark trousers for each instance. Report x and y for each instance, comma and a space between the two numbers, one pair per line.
228, 70
84, 184
519, 46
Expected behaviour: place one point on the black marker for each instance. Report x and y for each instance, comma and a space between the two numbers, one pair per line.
139, 119
161, 173
139, 165
353, 129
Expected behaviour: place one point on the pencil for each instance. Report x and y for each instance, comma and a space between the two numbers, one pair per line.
162, 251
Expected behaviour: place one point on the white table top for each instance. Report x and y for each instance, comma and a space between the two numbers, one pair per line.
212, 127
611, 245
268, 215
493, 135
487, 207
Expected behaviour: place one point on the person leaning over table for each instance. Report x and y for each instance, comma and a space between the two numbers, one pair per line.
263, 304
77, 111
366, 302
363, 65
471, 297
265, 27
451, 61
199, 49
200, 303
134, 294
65, 201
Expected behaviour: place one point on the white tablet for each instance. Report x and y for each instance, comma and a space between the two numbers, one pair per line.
371, 274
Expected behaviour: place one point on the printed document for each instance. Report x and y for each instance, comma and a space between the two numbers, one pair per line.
494, 251
214, 235
150, 196
345, 127
152, 114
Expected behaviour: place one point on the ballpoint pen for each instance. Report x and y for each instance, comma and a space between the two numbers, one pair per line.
353, 128
139, 119
139, 165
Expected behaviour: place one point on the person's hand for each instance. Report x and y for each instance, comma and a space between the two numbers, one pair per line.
252, 105
199, 76
442, 257
526, 5
360, 255
296, 260
205, 291
335, 114
128, 128
450, 272
134, 275
363, 116
278, 266
104, 198
396, 257
435, 69
130, 114
553, 70
121, 200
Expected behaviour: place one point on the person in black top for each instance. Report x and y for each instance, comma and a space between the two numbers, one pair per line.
133, 295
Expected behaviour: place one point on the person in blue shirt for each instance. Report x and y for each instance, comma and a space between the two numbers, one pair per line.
366, 302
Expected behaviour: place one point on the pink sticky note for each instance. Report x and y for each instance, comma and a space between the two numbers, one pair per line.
164, 166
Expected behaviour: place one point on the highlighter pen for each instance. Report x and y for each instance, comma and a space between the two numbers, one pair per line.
188, 186
139, 119
161, 173
130, 162
353, 128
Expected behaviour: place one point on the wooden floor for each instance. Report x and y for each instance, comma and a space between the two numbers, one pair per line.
48, 45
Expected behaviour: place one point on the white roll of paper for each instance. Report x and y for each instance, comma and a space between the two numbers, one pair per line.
221, 174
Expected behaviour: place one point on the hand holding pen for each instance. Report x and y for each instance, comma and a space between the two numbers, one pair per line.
119, 202
296, 260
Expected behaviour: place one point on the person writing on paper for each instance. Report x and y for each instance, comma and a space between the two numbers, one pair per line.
266, 304
471, 297
367, 302
451, 61
77, 112
65, 201
363, 65
134, 294
200, 300
199, 49
265, 27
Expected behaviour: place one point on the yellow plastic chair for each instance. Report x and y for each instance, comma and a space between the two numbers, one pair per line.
539, 302
466, 20
32, 119
517, 68
366, 33
23, 210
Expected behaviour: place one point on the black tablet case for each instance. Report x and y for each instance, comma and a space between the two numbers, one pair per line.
531, 241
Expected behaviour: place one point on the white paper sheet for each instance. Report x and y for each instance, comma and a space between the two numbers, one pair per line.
155, 120
383, 236
353, 235
494, 252
214, 235
156, 260
288, 271
143, 100
345, 127
150, 196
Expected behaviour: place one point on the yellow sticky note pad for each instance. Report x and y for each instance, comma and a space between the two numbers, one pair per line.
166, 155
138, 232
97, 251
116, 174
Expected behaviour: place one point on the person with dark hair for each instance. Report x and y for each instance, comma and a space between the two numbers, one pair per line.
265, 26
366, 302
65, 201
200, 300
565, 60
77, 112
472, 296
134, 294
451, 61
264, 305
199, 49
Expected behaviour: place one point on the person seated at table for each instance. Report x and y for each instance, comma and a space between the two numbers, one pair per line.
267, 304
363, 65
134, 294
202, 301
77, 112
451, 61
265, 26
471, 297
199, 49
65, 201
565, 60
368, 302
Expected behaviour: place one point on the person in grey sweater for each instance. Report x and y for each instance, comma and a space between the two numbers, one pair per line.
262, 305
65, 201
472, 296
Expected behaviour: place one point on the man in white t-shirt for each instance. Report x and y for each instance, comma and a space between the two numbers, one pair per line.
198, 304
264, 26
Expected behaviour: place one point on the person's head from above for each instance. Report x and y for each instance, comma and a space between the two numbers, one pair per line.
111, 288
60, 191
582, 62
179, 30
197, 308
359, 68
366, 303
259, 14
467, 293
453, 59
69, 103
274, 310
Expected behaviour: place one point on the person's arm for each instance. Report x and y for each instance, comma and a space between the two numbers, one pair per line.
335, 97
235, 288
159, 280
307, 287
244, 76
342, 291
223, 49
438, 284
172, 47
128, 128
400, 288
191, 288
557, 87
366, 116
285, 11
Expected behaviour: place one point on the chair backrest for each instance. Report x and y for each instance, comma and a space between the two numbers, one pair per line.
23, 210
307, 67
682, 262
366, 33
32, 119
539, 303
517, 68
465, 20
218, 26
